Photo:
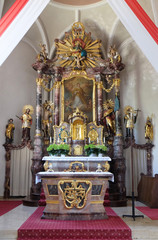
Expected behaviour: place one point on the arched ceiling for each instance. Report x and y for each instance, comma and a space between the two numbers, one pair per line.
21, 21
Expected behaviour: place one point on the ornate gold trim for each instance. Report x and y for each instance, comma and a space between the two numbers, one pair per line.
52, 201
97, 202
39, 81
74, 194
70, 169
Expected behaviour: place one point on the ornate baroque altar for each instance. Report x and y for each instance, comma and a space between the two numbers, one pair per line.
77, 81
74, 111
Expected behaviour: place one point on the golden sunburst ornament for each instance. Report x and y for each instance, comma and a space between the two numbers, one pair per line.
77, 49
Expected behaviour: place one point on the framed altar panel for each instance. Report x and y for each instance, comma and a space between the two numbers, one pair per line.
78, 92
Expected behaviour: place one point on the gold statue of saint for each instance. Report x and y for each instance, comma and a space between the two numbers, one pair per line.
26, 119
9, 132
149, 129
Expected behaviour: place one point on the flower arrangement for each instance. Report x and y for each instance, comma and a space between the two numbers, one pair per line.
57, 149
95, 149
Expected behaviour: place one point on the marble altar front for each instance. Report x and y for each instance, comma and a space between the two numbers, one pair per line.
75, 187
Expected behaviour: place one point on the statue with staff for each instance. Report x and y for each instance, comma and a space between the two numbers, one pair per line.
26, 119
130, 119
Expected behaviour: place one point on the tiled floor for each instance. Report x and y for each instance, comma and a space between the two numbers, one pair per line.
142, 228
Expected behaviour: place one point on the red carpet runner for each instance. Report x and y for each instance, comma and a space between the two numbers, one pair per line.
152, 213
6, 206
42, 229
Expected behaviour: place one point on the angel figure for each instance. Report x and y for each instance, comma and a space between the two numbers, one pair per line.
149, 130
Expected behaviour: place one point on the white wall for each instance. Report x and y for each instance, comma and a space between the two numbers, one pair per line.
139, 86
17, 88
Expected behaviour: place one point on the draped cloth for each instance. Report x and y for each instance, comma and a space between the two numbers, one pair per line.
139, 166
20, 172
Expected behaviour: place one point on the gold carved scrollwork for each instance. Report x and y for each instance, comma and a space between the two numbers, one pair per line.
106, 166
76, 167
74, 192
107, 89
48, 167
39, 81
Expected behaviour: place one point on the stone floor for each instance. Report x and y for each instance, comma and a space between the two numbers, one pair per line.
142, 228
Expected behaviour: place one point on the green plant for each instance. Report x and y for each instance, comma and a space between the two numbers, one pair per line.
57, 149
102, 149
91, 148
96, 149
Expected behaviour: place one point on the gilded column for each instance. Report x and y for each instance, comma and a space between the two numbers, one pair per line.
100, 102
57, 78
37, 153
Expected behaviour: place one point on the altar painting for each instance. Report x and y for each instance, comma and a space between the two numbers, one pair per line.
78, 93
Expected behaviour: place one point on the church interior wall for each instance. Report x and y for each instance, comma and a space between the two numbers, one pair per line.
139, 87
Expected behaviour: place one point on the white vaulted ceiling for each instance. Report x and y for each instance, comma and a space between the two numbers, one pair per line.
37, 16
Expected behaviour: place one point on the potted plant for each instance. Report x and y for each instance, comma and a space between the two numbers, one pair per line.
91, 149
102, 150
58, 149
96, 150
